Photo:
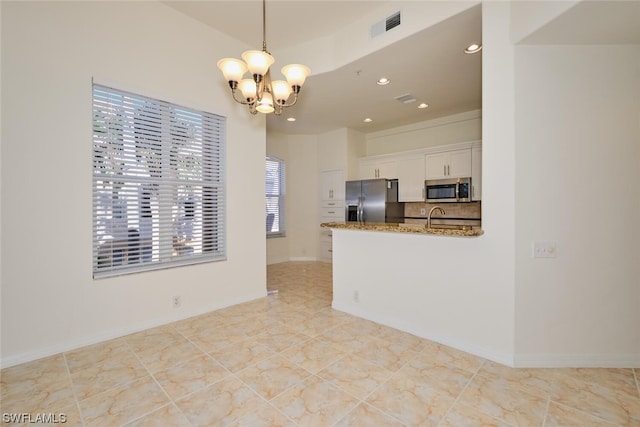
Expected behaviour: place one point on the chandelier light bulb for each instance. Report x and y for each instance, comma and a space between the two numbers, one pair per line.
258, 61
265, 105
248, 88
232, 69
296, 74
281, 91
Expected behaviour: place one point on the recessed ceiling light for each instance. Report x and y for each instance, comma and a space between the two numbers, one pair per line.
383, 81
368, 120
423, 105
473, 48
291, 119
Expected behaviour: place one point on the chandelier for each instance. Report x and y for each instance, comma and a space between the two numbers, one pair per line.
259, 92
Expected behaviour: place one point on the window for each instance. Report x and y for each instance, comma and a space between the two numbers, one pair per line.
158, 184
275, 197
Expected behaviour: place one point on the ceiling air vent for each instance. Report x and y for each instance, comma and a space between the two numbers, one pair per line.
405, 99
392, 21
385, 25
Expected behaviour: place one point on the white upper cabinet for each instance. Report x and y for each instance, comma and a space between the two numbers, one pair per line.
378, 168
449, 164
411, 175
412, 168
332, 185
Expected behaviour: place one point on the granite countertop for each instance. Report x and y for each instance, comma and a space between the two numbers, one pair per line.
461, 231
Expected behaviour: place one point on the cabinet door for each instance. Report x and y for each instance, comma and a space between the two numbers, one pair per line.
388, 169
459, 164
411, 175
338, 185
326, 185
449, 164
368, 169
332, 185
436, 165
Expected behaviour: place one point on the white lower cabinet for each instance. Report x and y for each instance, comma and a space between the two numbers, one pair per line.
330, 211
326, 245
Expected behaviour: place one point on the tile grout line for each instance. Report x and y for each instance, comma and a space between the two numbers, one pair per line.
73, 390
546, 411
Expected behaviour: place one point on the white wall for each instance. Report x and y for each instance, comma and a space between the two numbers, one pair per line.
578, 157
50, 52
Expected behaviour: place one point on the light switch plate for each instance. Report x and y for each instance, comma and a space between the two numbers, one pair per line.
545, 249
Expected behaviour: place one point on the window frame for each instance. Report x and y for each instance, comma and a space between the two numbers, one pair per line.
281, 196
170, 181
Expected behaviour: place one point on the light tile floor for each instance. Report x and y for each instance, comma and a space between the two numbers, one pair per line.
290, 360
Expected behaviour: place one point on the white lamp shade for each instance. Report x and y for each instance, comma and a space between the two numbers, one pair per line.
265, 105
296, 73
258, 61
281, 90
233, 69
248, 88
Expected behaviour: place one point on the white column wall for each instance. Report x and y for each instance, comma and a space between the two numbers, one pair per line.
577, 156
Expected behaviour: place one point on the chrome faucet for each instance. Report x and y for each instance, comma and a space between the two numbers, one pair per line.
431, 211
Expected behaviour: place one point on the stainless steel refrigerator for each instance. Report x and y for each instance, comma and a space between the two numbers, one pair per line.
373, 200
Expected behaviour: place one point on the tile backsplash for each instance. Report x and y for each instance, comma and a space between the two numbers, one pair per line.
456, 213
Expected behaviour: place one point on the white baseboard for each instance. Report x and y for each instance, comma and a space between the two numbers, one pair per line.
308, 258
577, 360
291, 259
39, 353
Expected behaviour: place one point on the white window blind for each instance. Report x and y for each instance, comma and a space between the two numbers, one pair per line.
275, 176
158, 184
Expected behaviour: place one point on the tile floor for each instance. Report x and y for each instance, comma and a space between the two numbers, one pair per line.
290, 360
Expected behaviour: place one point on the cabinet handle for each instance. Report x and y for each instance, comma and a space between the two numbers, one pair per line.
331, 212
444, 170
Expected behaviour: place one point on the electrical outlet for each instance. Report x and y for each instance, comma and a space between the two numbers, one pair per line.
544, 249
423, 211
356, 296
175, 301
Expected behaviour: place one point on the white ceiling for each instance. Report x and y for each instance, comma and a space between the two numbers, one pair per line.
440, 74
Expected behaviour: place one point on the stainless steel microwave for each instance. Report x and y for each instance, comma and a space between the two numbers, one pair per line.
448, 190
